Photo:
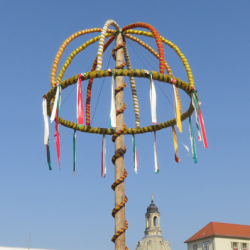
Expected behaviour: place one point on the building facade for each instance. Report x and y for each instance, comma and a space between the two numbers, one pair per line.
220, 236
153, 239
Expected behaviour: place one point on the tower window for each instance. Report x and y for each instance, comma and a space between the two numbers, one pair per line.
155, 221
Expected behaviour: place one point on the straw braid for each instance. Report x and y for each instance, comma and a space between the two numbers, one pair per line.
171, 45
133, 88
117, 155
101, 42
75, 52
151, 50
132, 80
126, 55
157, 38
63, 47
88, 97
136, 73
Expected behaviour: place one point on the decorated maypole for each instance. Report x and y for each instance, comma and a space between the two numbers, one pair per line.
52, 102
120, 197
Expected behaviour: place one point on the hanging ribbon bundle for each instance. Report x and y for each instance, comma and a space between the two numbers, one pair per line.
157, 169
57, 103
112, 109
79, 104
177, 159
74, 152
177, 105
196, 109
48, 155
204, 137
55, 113
135, 156
46, 131
152, 95
57, 146
199, 117
192, 140
103, 166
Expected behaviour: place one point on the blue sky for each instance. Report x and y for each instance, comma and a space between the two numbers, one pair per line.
62, 211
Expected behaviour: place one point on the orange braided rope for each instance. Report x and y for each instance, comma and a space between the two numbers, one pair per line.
120, 153
157, 39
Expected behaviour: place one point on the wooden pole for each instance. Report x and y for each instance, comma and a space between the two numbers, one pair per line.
119, 144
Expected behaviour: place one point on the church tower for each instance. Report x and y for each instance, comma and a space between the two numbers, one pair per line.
153, 239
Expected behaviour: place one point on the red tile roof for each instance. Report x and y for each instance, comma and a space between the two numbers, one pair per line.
222, 229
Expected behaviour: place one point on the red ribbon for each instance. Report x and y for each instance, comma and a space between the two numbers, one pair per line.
202, 128
57, 146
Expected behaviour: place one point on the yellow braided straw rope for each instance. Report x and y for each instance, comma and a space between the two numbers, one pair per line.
63, 47
157, 56
75, 52
132, 83
151, 50
121, 72
173, 46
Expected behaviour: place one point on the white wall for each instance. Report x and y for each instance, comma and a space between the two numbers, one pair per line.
225, 243
200, 243
216, 243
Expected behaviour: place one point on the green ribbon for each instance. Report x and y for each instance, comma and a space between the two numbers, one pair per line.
192, 140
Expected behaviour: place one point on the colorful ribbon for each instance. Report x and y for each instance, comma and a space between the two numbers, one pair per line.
79, 105
152, 95
74, 152
177, 159
204, 137
46, 122
135, 156
103, 166
157, 169
196, 110
192, 140
57, 146
57, 103
112, 109
48, 155
200, 128
177, 106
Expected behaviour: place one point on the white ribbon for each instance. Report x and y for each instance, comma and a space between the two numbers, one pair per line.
157, 169
104, 170
184, 145
135, 157
46, 122
112, 110
53, 114
196, 116
152, 95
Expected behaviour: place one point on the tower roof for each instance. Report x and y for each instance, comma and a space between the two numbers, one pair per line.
152, 208
222, 229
